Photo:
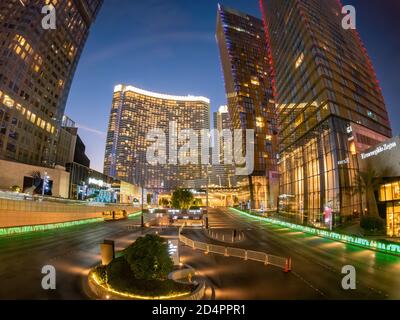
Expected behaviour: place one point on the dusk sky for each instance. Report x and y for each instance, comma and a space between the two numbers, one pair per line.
169, 46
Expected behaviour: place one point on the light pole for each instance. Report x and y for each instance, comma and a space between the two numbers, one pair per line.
142, 217
44, 183
207, 188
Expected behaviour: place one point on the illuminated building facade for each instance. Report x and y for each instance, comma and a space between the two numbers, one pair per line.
382, 161
223, 174
330, 108
247, 74
36, 70
134, 113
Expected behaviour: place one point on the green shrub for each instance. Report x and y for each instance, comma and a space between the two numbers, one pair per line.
149, 259
101, 273
372, 224
119, 270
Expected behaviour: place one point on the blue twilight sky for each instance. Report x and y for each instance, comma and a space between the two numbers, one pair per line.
169, 46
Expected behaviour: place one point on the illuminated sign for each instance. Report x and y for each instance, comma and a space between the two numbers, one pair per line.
173, 250
343, 162
99, 183
379, 150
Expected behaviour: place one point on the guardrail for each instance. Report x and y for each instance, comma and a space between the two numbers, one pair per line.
267, 259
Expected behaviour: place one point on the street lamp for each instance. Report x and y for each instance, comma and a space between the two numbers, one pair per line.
142, 217
45, 181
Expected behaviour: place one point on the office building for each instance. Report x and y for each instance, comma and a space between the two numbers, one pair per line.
37, 66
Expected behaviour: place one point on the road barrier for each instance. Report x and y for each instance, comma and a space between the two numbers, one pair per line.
267, 259
223, 236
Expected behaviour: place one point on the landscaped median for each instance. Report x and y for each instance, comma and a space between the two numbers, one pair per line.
381, 246
144, 271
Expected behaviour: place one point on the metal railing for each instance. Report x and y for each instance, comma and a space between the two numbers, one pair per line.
267, 259
221, 235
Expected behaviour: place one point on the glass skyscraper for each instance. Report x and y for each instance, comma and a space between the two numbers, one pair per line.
247, 74
330, 107
134, 113
36, 70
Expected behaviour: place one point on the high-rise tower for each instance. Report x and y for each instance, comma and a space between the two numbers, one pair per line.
246, 68
134, 113
330, 107
36, 69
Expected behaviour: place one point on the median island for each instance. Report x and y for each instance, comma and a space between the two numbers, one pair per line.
141, 271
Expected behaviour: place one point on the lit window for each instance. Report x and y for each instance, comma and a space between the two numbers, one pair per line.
300, 60
8, 101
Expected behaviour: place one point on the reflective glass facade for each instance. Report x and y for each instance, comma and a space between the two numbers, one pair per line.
248, 85
36, 70
330, 106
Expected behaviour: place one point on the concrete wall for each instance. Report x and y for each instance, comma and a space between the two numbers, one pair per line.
13, 173
26, 213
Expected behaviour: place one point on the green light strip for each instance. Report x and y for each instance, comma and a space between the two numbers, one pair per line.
52, 226
391, 248
45, 227
133, 215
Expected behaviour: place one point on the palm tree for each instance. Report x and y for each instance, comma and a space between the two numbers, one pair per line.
367, 182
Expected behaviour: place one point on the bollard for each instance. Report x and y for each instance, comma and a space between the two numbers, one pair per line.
288, 265
107, 250
266, 260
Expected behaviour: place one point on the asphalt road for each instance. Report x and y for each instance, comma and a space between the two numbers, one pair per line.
72, 251
316, 274
317, 265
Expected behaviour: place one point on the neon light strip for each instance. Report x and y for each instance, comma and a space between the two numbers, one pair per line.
134, 296
391, 248
122, 88
52, 226
45, 227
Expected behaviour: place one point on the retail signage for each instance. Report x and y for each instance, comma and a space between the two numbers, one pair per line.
383, 148
99, 183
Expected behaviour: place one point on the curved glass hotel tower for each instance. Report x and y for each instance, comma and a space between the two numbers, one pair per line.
134, 113
329, 103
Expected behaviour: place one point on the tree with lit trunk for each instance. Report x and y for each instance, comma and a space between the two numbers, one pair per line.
367, 182
182, 199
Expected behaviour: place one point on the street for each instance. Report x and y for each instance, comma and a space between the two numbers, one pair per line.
72, 251
317, 265
316, 274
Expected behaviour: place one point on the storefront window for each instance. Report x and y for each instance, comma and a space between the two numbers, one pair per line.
393, 220
388, 192
396, 191
382, 197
